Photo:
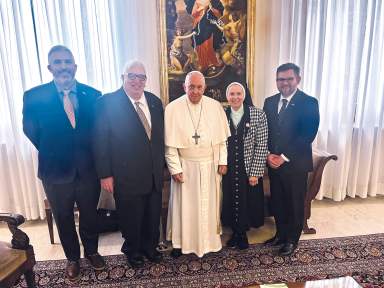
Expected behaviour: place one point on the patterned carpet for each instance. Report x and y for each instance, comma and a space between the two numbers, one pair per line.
361, 257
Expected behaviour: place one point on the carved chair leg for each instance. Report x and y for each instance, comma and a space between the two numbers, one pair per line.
48, 214
307, 230
30, 278
307, 215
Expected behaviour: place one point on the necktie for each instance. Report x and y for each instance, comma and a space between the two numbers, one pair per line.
143, 119
68, 108
283, 107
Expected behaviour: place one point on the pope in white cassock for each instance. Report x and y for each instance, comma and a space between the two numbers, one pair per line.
196, 131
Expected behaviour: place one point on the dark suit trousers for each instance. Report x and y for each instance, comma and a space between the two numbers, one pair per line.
288, 189
139, 220
62, 197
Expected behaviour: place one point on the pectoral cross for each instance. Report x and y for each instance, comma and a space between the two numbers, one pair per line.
196, 137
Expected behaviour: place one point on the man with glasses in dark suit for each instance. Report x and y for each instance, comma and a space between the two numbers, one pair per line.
129, 155
293, 120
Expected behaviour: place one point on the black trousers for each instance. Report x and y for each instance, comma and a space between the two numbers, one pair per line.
139, 220
62, 197
288, 189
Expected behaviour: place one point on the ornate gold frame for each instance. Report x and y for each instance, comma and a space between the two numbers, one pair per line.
251, 28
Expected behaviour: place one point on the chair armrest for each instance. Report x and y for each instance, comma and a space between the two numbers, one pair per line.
20, 240
13, 219
325, 154
320, 159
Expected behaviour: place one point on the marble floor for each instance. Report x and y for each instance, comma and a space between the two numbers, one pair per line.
331, 219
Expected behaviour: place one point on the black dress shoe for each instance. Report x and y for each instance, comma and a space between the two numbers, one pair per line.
154, 257
232, 243
176, 253
242, 242
72, 271
136, 261
274, 241
96, 261
287, 249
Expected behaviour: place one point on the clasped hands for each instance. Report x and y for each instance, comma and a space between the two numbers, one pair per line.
107, 184
275, 161
222, 170
253, 180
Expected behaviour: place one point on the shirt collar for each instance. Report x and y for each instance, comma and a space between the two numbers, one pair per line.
289, 97
72, 89
142, 100
238, 112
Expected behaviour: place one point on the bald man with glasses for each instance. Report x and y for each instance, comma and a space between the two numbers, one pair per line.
129, 157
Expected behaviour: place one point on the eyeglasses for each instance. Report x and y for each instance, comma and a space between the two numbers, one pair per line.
133, 76
290, 79
198, 87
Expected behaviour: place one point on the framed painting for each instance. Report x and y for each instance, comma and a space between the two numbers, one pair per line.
211, 36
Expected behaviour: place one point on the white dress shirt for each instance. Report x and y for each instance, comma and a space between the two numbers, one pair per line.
287, 98
144, 106
278, 109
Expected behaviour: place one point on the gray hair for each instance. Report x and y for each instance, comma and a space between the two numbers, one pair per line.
133, 63
58, 48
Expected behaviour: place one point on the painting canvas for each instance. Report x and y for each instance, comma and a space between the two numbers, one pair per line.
210, 36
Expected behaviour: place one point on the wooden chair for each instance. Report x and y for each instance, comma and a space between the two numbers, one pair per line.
48, 215
320, 159
16, 258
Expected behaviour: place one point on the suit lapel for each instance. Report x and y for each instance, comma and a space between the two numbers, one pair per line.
54, 101
82, 97
126, 102
290, 110
294, 100
152, 111
82, 102
275, 107
54, 97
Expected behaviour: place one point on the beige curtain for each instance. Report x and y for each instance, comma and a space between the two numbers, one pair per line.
339, 46
102, 34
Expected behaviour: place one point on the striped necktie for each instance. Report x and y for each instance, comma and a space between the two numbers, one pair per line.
68, 108
282, 109
143, 119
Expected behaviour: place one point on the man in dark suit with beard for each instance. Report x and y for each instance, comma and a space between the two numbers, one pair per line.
58, 119
129, 154
293, 120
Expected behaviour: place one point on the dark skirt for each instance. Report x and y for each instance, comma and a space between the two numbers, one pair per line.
243, 205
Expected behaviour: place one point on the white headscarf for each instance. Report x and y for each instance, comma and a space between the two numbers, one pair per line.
235, 83
236, 115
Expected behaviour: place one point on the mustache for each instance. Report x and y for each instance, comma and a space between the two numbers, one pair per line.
64, 71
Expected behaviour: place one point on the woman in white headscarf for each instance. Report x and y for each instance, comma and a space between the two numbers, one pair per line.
243, 196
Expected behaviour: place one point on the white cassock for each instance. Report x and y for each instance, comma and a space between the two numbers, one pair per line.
194, 206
